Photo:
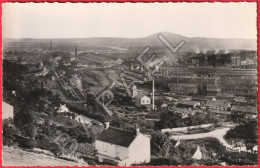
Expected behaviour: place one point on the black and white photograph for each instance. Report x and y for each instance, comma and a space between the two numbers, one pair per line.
129, 84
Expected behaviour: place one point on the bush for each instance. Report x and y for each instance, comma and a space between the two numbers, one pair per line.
8, 132
170, 161
246, 131
28, 144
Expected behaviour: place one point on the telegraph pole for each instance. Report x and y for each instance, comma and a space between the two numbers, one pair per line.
153, 92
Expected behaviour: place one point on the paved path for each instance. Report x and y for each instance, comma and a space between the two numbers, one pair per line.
218, 134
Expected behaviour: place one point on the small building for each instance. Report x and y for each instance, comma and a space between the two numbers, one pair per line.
244, 111
202, 99
183, 88
8, 111
142, 99
183, 111
63, 109
213, 90
82, 119
240, 99
187, 104
218, 105
122, 147
235, 61
153, 117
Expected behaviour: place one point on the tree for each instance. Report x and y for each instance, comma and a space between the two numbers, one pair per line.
160, 144
8, 132
170, 120
246, 131
22, 117
30, 130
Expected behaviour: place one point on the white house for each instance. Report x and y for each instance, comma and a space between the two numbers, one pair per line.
63, 108
141, 99
122, 147
83, 119
8, 110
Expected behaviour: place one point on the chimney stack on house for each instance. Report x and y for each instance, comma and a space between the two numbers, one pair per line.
106, 125
137, 131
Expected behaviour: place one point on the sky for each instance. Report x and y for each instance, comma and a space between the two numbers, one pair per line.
131, 20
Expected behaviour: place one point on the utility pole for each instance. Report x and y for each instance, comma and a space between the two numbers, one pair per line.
153, 92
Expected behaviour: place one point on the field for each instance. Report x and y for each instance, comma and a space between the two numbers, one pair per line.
18, 157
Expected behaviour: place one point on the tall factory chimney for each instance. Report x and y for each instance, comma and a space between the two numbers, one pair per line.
51, 51
76, 53
130, 48
51, 59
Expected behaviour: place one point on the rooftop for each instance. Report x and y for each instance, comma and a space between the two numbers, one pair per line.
140, 95
187, 102
156, 114
218, 103
117, 136
245, 109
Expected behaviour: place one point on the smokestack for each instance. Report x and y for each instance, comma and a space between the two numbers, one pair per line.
106, 125
76, 53
51, 49
51, 56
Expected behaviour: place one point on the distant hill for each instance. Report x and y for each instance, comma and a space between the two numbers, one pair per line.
191, 44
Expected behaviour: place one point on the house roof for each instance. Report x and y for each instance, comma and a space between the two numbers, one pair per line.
156, 114
192, 85
240, 99
245, 109
218, 103
202, 98
117, 136
179, 110
213, 88
187, 102
140, 95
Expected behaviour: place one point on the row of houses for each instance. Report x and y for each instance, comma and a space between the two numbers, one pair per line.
185, 107
221, 105
214, 89
209, 71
